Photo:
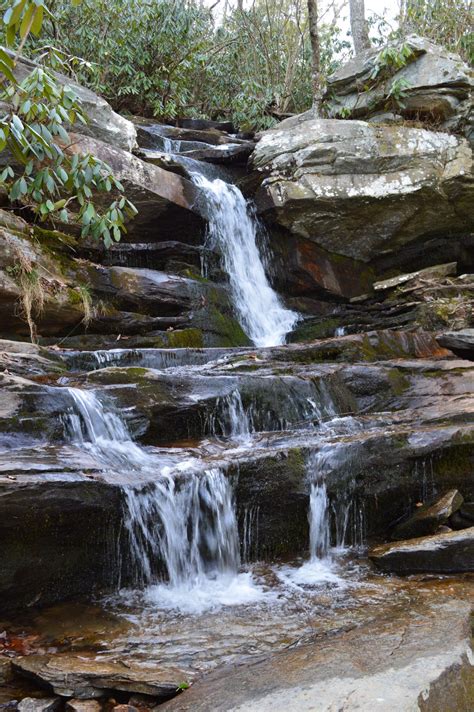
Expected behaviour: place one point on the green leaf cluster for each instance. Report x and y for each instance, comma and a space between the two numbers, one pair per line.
40, 167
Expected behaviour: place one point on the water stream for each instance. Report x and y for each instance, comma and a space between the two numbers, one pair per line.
234, 232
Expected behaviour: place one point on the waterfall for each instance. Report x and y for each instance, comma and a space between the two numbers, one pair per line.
233, 230
102, 432
192, 528
184, 522
318, 516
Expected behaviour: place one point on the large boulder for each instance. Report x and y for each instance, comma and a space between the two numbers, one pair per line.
103, 122
357, 193
437, 86
166, 202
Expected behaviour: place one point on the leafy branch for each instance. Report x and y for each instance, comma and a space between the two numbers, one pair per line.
40, 171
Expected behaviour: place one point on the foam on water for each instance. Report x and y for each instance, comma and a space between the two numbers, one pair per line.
206, 593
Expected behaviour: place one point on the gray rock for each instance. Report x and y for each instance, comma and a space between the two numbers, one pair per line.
41, 704
419, 660
438, 87
85, 679
104, 123
452, 552
159, 195
457, 521
429, 517
326, 181
83, 706
460, 342
436, 272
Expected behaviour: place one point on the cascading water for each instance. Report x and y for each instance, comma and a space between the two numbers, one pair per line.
319, 569
318, 521
184, 522
232, 229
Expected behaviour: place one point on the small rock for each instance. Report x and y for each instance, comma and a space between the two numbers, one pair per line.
459, 342
39, 704
75, 705
10, 706
86, 679
429, 517
438, 272
125, 708
443, 529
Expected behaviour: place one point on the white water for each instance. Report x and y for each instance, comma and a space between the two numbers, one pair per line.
188, 526
232, 229
321, 567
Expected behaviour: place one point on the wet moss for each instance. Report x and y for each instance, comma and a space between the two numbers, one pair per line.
186, 338
227, 329
311, 331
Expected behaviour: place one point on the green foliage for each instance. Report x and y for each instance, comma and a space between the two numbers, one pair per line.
42, 171
388, 62
446, 22
390, 59
172, 58
169, 58
143, 56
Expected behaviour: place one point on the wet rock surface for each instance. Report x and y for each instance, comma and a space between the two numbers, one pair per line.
440, 553
404, 424
418, 661
70, 676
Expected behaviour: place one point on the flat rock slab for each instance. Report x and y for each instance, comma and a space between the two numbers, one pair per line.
420, 660
83, 706
460, 342
429, 517
449, 552
85, 678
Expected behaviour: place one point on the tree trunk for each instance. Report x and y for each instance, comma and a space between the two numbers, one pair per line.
315, 56
359, 28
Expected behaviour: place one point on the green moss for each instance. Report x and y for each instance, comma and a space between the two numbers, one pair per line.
186, 338
310, 331
227, 328
119, 375
192, 273
457, 461
398, 382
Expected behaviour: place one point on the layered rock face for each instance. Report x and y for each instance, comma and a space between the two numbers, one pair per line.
150, 289
351, 197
